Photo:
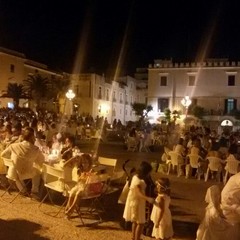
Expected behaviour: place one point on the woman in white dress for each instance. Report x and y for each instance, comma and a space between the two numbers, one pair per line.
161, 214
135, 208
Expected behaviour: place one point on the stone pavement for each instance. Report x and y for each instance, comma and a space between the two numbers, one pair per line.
22, 219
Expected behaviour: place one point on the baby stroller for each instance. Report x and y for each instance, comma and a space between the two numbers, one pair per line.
150, 191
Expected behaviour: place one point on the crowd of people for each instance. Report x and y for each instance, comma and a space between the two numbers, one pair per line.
27, 139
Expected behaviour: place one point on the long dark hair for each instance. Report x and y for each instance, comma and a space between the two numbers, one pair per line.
144, 169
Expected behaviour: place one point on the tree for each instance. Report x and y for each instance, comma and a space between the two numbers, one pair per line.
36, 87
58, 87
141, 109
15, 91
176, 115
198, 111
167, 113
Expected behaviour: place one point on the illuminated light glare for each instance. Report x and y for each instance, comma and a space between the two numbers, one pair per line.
70, 94
186, 102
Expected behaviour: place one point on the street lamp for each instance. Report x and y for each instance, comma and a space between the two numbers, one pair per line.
186, 102
70, 96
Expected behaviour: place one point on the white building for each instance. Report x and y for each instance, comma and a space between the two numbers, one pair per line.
95, 94
99, 96
213, 85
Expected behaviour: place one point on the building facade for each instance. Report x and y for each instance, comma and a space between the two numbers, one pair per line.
15, 68
111, 99
213, 85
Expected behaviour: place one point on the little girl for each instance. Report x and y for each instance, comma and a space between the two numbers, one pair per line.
84, 164
161, 215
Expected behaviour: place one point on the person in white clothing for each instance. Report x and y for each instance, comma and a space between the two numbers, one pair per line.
230, 200
161, 215
27, 160
135, 207
214, 225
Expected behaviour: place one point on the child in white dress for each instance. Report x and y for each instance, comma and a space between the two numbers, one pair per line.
161, 214
135, 207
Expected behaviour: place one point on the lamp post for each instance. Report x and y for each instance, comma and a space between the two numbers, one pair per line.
186, 102
70, 96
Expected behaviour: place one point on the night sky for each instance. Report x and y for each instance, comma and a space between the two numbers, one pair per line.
97, 36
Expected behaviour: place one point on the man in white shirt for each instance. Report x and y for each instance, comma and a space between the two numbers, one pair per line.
27, 160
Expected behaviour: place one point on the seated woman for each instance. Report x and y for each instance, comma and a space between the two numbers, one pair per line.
67, 150
84, 165
180, 148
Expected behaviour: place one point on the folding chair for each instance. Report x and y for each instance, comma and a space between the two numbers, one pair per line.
95, 192
54, 180
10, 164
109, 163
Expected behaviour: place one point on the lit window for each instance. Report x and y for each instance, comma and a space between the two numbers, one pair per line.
230, 105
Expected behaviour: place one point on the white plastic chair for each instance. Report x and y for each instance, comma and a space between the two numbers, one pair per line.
164, 157
115, 176
176, 161
214, 166
194, 163
232, 167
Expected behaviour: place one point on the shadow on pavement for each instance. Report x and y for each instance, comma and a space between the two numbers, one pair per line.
185, 230
20, 229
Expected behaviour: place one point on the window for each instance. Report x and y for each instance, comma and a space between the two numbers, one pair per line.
163, 81
126, 99
231, 80
191, 80
12, 68
99, 92
162, 104
114, 96
121, 98
107, 95
76, 88
194, 102
230, 105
